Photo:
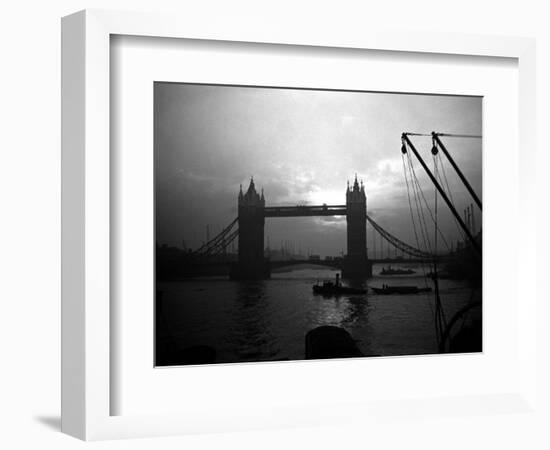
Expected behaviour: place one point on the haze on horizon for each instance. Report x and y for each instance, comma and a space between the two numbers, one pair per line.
301, 147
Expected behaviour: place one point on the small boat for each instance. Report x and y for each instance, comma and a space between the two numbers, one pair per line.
387, 290
336, 288
390, 271
330, 288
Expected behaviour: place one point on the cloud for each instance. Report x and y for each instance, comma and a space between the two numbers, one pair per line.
301, 147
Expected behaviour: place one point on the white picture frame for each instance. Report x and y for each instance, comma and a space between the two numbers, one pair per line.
86, 221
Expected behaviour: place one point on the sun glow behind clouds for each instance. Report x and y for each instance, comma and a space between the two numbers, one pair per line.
301, 146
326, 196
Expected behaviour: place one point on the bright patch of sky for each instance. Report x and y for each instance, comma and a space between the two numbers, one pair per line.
301, 146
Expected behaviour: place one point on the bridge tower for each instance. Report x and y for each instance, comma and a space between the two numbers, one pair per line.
356, 264
251, 264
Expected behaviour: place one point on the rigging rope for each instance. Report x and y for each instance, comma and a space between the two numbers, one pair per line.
449, 192
419, 208
440, 320
420, 200
436, 172
423, 197
472, 136
414, 222
468, 136
410, 204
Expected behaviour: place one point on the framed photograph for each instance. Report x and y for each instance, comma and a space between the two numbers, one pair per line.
265, 228
303, 266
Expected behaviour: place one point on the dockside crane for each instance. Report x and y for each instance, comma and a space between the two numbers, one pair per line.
406, 143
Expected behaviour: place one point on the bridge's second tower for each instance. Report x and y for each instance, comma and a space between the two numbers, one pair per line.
251, 265
356, 264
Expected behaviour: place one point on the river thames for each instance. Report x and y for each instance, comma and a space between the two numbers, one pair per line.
268, 320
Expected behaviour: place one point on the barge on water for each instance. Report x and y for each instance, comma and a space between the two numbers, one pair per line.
390, 271
388, 290
336, 288
329, 288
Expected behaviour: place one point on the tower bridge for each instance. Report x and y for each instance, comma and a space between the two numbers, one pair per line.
251, 219
249, 225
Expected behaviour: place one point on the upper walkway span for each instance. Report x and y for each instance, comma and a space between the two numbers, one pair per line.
305, 211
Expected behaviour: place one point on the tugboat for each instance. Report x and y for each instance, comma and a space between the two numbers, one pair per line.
390, 271
387, 290
336, 288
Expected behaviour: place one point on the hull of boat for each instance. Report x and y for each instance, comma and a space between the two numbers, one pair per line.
321, 290
397, 272
400, 290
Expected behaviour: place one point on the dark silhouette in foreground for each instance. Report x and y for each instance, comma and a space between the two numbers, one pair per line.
468, 340
330, 342
167, 351
172, 355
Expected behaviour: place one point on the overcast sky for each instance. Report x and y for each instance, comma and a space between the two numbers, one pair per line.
301, 146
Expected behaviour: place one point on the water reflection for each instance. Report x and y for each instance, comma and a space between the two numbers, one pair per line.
268, 320
251, 329
357, 311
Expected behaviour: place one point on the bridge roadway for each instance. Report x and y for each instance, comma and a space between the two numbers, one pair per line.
221, 267
338, 263
325, 263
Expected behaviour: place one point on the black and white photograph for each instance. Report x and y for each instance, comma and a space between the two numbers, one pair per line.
268, 225
302, 224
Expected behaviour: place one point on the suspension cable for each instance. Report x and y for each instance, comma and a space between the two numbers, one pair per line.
213, 243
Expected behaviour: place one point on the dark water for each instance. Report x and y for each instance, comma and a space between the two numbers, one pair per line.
268, 320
